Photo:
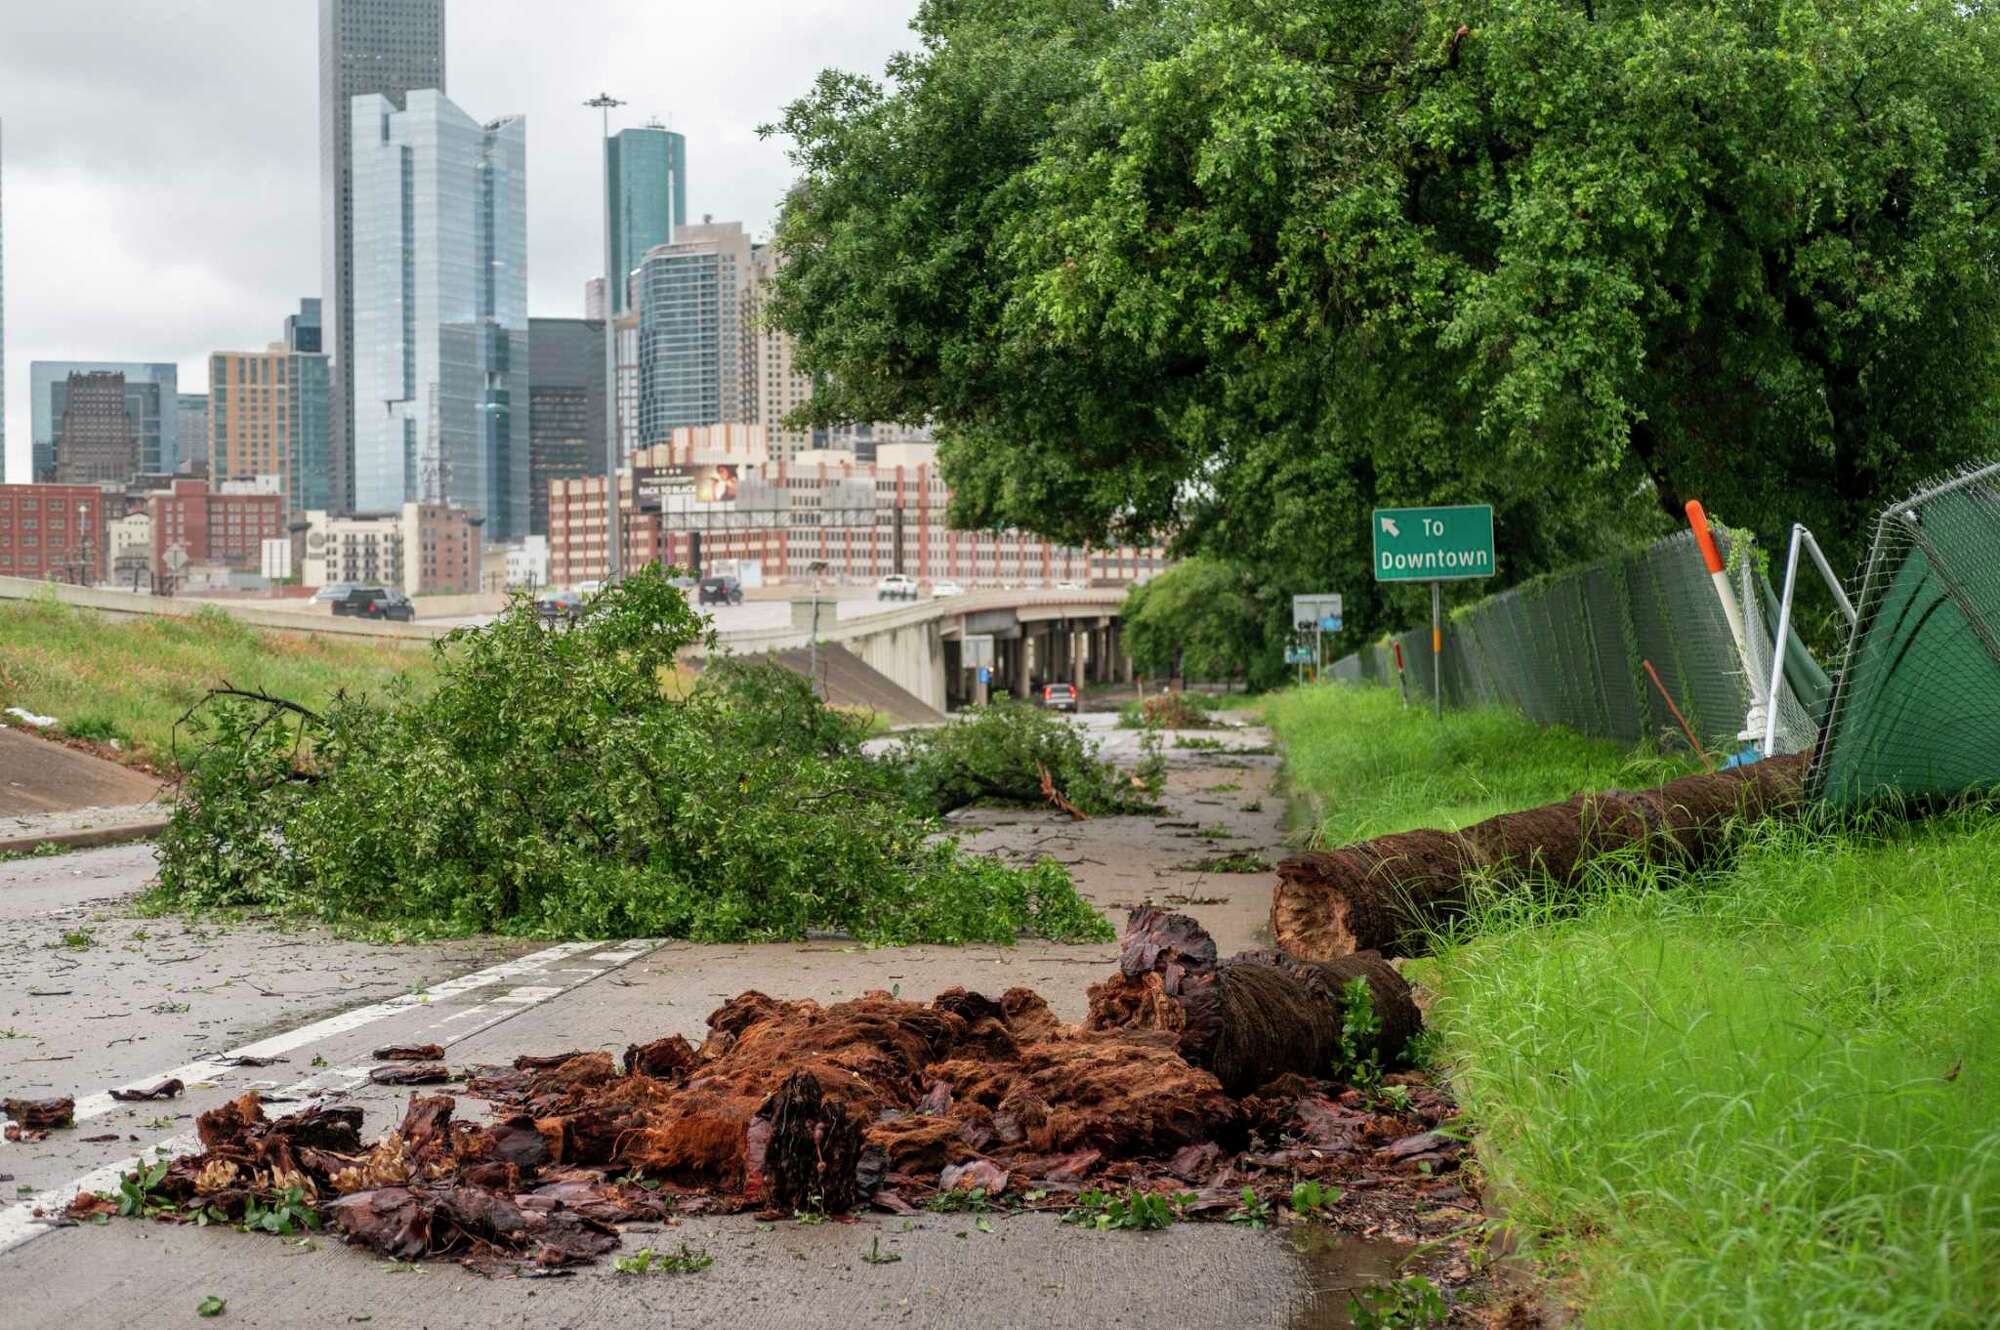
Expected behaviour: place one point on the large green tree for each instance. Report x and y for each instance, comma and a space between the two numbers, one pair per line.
1237, 270
1201, 619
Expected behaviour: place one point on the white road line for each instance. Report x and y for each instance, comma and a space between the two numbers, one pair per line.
17, 1221
218, 1065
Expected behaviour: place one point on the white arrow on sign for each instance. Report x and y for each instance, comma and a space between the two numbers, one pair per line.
1389, 525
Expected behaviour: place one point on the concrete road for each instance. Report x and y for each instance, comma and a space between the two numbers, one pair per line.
750, 616
140, 999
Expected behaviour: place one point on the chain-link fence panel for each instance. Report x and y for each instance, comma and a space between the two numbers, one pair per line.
1572, 650
1915, 712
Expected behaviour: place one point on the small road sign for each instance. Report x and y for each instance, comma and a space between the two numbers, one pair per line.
1309, 611
1433, 544
1330, 624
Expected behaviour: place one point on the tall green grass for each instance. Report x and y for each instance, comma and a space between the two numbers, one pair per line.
129, 680
1766, 1096
1362, 764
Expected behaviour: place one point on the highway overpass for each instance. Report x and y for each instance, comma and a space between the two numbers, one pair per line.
1038, 637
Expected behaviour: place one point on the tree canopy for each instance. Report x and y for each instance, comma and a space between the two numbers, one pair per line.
1200, 619
1236, 270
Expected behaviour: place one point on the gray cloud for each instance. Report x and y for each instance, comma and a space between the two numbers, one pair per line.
161, 166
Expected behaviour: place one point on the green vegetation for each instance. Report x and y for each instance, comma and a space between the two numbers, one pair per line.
1363, 764
997, 755
1244, 861
1764, 1096
1410, 1303
1175, 710
130, 680
549, 785
686, 1261
1141, 1211
1200, 619
1239, 272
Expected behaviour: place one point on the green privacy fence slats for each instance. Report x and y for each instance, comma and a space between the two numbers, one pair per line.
1916, 708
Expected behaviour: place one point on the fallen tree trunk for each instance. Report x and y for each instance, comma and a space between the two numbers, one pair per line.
1389, 893
1253, 1018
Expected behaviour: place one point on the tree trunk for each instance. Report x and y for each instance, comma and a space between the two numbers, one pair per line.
1253, 1018
1391, 894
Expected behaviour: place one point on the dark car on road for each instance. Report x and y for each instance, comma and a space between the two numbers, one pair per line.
561, 606
374, 602
721, 591
1059, 696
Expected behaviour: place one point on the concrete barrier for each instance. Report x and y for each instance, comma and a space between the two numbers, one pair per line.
131, 605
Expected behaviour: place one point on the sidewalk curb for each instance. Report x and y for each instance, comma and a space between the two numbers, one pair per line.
86, 837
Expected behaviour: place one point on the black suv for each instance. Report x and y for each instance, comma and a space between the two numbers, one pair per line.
374, 602
721, 591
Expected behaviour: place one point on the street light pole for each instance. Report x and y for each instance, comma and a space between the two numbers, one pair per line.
614, 552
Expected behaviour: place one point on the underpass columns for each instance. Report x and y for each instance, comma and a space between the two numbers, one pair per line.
1018, 665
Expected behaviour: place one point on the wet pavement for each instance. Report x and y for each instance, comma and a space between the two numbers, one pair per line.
147, 998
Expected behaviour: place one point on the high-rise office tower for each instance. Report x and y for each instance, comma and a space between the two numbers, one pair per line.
152, 399
780, 388
646, 174
440, 310
383, 48
697, 362
191, 411
565, 408
268, 413
96, 443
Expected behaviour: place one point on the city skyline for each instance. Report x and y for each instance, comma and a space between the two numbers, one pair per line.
162, 225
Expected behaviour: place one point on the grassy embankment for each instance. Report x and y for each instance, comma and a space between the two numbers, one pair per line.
1766, 1097
131, 679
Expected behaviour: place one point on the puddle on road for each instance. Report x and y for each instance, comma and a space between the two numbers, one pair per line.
1333, 1266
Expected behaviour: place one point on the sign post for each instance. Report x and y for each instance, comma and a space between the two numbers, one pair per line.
1434, 545
1316, 614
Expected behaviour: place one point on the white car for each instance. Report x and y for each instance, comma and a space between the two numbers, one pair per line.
896, 586
947, 589
1069, 586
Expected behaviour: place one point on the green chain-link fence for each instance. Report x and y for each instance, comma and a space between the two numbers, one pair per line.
1916, 709
1570, 650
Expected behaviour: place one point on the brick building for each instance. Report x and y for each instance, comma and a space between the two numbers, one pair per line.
427, 549
210, 527
53, 532
861, 520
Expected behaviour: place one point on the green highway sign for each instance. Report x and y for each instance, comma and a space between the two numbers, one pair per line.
1433, 544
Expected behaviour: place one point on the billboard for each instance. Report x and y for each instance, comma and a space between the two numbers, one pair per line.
680, 489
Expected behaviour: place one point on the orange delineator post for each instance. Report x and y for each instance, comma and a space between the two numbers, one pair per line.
1718, 575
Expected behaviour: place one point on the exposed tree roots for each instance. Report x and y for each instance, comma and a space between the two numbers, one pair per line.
1191, 1074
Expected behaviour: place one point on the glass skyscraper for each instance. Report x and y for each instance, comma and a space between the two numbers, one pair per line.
440, 321
309, 408
646, 174
385, 48
152, 396
565, 408
697, 363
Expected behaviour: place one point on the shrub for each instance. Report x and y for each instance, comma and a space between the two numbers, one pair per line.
547, 785
997, 754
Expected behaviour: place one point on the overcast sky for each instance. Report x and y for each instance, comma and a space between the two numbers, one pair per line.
161, 166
